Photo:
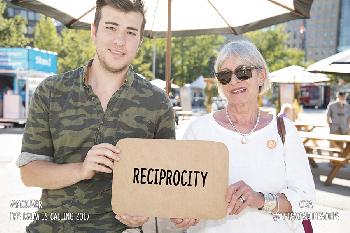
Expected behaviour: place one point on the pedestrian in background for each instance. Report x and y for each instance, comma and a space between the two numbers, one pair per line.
338, 115
286, 111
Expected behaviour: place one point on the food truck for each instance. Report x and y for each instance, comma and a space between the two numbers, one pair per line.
21, 71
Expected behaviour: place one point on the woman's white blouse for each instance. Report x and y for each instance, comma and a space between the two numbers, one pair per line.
283, 169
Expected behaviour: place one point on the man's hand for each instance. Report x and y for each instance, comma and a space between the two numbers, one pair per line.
131, 221
184, 223
99, 158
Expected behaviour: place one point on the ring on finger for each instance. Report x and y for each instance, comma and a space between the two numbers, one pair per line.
242, 199
179, 220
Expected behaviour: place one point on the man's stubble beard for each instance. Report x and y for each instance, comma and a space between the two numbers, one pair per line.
109, 68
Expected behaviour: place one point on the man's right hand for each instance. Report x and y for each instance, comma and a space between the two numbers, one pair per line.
99, 158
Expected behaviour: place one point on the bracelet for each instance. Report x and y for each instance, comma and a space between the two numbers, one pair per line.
264, 201
278, 204
271, 201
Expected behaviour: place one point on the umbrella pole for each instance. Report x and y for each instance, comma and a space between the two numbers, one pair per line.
168, 51
154, 58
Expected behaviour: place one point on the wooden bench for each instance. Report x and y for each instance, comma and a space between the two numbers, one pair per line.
308, 126
319, 149
337, 163
184, 114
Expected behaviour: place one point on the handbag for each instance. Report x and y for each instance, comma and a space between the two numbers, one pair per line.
282, 132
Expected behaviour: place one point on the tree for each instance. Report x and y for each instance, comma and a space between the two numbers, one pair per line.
45, 35
76, 49
194, 56
143, 62
12, 31
272, 44
191, 57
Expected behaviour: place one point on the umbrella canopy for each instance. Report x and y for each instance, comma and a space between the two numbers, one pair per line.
162, 84
183, 17
338, 63
199, 83
296, 74
188, 17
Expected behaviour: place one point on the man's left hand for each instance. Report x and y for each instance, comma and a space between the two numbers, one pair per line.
131, 221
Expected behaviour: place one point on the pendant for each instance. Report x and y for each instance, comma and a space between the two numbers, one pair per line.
244, 140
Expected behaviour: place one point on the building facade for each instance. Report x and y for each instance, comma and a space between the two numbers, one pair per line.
344, 26
31, 16
325, 33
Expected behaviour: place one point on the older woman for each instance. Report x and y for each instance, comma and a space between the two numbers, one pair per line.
266, 176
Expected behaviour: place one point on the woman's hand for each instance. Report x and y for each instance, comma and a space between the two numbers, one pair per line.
240, 195
131, 221
184, 222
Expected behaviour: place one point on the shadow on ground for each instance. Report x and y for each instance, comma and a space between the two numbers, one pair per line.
11, 130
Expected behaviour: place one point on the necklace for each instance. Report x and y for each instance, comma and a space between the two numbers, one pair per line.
244, 139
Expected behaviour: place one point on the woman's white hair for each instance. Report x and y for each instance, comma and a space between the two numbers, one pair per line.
249, 54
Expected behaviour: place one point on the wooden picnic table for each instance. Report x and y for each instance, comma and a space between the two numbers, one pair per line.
184, 114
339, 150
177, 108
308, 126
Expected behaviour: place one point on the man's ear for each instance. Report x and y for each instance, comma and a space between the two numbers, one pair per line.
93, 32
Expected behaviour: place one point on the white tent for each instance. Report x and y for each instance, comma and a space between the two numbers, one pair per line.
162, 84
199, 83
338, 63
296, 74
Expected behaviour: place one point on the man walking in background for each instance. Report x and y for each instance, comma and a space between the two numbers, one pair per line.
338, 115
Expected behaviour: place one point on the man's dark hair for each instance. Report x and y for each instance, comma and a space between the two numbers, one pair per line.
123, 5
342, 93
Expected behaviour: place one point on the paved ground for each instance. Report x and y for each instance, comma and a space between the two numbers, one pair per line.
333, 199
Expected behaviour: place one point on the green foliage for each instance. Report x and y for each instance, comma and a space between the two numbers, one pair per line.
271, 43
45, 35
76, 49
143, 62
191, 57
12, 31
194, 56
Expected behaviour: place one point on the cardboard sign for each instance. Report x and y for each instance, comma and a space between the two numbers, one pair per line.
171, 179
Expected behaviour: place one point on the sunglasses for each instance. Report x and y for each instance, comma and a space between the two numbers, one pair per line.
242, 73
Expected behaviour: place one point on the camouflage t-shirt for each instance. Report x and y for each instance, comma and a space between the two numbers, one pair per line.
66, 119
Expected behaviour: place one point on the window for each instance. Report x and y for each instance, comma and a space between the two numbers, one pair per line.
23, 13
31, 15
17, 11
30, 30
10, 12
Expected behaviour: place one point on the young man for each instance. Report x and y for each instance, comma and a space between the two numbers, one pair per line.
77, 118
